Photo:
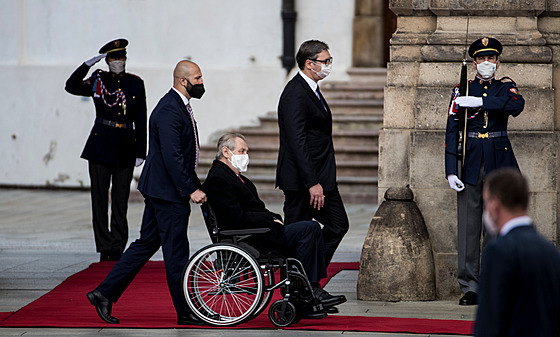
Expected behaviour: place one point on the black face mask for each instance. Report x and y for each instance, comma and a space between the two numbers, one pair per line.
196, 91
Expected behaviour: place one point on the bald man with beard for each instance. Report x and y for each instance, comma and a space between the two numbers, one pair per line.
168, 183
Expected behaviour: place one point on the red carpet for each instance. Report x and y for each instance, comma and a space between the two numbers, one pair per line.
147, 304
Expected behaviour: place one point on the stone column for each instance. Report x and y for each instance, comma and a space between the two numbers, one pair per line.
424, 66
549, 26
368, 33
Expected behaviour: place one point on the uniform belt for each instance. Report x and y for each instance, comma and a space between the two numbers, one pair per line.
114, 124
479, 135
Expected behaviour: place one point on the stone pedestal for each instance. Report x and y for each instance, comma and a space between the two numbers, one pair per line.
397, 262
426, 51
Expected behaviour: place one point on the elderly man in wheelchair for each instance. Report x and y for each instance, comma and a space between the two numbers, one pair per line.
233, 280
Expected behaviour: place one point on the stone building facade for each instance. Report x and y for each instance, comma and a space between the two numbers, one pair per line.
425, 61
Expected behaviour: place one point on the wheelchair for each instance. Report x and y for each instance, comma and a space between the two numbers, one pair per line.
229, 282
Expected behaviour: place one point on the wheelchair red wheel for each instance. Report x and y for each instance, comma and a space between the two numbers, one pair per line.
223, 285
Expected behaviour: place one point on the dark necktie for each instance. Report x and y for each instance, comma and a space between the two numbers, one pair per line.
321, 98
189, 109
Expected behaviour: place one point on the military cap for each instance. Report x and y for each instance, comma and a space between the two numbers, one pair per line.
115, 48
485, 46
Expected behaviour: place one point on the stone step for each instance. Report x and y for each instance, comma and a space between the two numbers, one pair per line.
352, 122
356, 106
257, 135
270, 151
258, 167
256, 151
378, 75
352, 90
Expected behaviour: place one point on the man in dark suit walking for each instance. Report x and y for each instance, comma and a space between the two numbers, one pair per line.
520, 277
168, 183
116, 144
306, 169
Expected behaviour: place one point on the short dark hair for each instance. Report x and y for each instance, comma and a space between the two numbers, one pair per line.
227, 140
309, 50
510, 187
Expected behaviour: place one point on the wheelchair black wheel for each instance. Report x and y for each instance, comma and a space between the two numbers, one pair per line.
223, 285
282, 316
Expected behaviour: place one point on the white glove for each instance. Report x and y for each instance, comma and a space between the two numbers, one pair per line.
455, 183
469, 101
139, 162
94, 59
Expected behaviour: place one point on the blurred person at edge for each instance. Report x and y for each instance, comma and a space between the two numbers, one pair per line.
520, 277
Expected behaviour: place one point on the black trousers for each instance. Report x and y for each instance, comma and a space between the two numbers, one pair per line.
114, 238
304, 240
164, 224
332, 215
469, 231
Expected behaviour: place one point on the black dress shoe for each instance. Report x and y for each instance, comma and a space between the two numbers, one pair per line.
332, 310
189, 319
314, 315
470, 298
326, 299
103, 306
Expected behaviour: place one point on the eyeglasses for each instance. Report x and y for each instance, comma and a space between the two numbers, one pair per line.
327, 61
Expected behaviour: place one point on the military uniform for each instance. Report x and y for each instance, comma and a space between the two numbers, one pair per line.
487, 142
117, 138
487, 148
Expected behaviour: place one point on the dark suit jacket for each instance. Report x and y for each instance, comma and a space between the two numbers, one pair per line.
306, 154
237, 205
107, 144
519, 292
502, 100
169, 172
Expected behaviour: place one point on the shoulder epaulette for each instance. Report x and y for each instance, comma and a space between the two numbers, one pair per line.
507, 79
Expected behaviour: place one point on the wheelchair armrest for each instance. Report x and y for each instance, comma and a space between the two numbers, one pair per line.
233, 232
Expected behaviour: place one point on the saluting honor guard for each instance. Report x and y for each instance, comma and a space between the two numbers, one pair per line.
117, 142
476, 143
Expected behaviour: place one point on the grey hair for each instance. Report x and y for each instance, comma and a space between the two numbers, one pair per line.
227, 140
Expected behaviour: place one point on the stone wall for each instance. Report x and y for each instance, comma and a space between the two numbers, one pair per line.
426, 51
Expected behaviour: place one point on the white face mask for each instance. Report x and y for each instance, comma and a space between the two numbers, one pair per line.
490, 225
325, 70
116, 67
486, 69
239, 161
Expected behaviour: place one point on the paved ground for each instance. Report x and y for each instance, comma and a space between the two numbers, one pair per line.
46, 236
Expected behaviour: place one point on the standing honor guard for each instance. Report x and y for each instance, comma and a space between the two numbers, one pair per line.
476, 143
117, 142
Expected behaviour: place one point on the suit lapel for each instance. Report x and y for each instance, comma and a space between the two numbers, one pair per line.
313, 95
183, 108
243, 181
179, 101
